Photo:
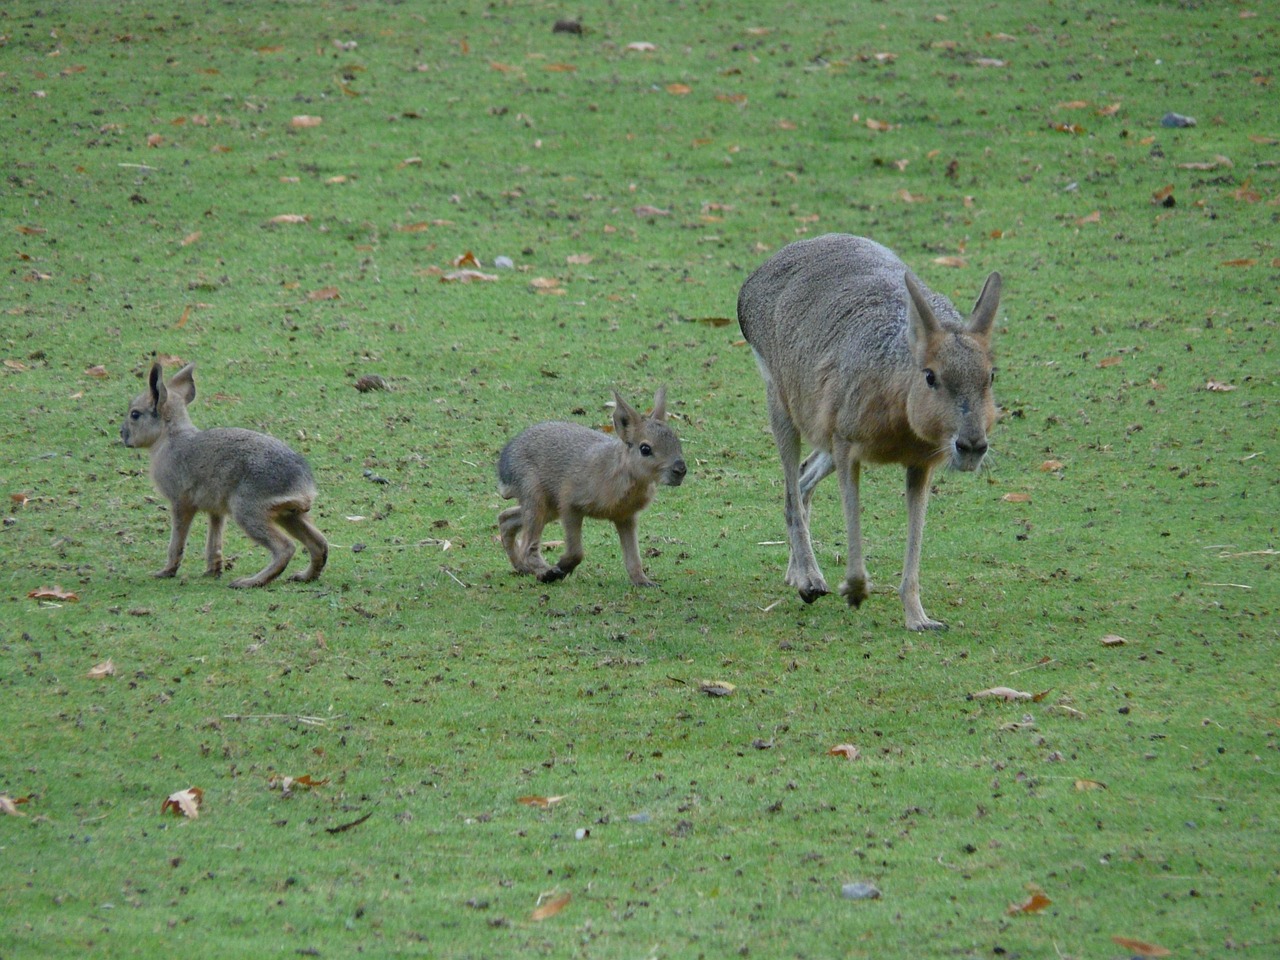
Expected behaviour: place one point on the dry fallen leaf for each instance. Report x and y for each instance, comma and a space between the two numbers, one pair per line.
9, 805
1217, 386
1033, 904
290, 218
1049, 466
52, 593
16, 365
1001, 693
545, 285
579, 259
847, 750
1240, 262
97, 371
647, 210
1016, 498
679, 89
467, 276
1083, 785
324, 293
467, 259
1113, 640
286, 785
303, 120
959, 262
879, 126
184, 803
102, 670
549, 908
190, 238
1110, 362
641, 46
1140, 948
542, 803
19, 499
716, 688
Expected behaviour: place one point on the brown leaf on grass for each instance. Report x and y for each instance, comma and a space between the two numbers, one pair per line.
647, 210
9, 805
735, 98
1217, 386
716, 688
1036, 902
324, 293
1263, 140
560, 68
30, 231
97, 371
1085, 785
303, 121
467, 259
1113, 640
957, 262
154, 140
190, 238
1140, 948
17, 365
641, 46
1241, 262
420, 227
182, 320
1016, 498
272, 48
1001, 693
579, 259
679, 89
1095, 217
19, 500
542, 803
714, 321
1051, 466
467, 276
906, 196
290, 218
846, 750
184, 803
1245, 193
549, 908
1110, 362
1073, 105
546, 285
988, 62
879, 126
1110, 110
286, 785
1072, 128
52, 593
102, 670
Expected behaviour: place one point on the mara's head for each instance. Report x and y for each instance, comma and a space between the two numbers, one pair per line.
950, 403
652, 443
157, 408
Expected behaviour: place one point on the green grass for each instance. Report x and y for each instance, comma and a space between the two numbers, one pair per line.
433, 687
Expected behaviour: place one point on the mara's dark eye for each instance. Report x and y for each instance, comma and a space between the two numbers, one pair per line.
930, 378
134, 414
646, 450
993, 376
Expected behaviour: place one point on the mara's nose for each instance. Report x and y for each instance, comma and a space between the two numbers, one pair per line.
679, 469
971, 448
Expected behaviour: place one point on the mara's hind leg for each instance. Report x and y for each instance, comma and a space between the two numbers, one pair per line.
528, 523
510, 523
297, 523
260, 525
802, 567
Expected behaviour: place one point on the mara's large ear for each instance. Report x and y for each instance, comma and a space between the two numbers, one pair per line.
659, 411
984, 311
921, 323
625, 419
155, 381
183, 383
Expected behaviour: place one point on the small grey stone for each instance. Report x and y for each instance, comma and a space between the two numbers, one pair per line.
1177, 120
860, 891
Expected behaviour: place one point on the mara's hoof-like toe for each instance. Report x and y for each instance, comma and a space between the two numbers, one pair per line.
927, 624
551, 575
165, 574
246, 583
810, 594
854, 593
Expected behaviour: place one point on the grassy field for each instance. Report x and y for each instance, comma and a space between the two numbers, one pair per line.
277, 191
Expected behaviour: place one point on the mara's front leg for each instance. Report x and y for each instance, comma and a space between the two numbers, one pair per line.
572, 556
180, 519
856, 586
802, 567
631, 552
917, 503
213, 546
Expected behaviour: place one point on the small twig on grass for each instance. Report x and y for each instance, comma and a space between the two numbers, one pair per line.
1241, 586
310, 721
1248, 553
453, 578
343, 827
1042, 663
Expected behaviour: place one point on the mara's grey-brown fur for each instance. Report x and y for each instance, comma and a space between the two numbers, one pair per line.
265, 486
868, 365
565, 471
